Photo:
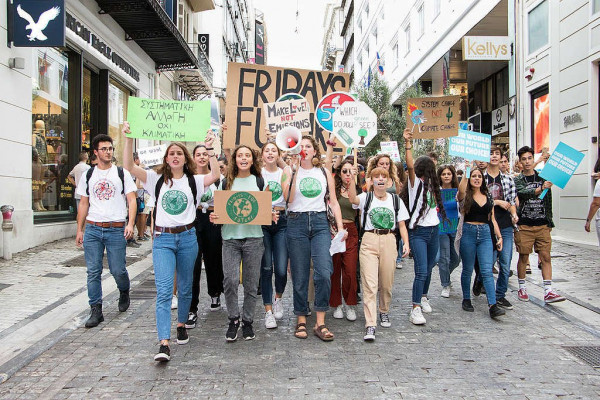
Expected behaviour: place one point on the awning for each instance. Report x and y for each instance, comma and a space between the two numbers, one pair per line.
202, 5
147, 23
192, 82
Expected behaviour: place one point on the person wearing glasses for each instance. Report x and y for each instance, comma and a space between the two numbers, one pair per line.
105, 193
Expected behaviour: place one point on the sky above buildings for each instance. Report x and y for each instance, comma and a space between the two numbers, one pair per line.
294, 41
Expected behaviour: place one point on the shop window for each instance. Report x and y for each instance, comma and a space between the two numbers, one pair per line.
118, 96
51, 191
537, 29
540, 119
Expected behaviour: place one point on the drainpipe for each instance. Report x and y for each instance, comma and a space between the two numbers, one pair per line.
7, 228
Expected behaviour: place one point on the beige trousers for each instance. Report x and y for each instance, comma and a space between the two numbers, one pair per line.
377, 266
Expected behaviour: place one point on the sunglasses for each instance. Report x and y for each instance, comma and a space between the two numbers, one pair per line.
346, 171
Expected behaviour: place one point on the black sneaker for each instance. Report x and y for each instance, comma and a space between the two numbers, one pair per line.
164, 353
247, 331
369, 334
192, 319
477, 285
504, 303
133, 243
215, 303
124, 300
467, 305
496, 311
182, 335
232, 331
95, 317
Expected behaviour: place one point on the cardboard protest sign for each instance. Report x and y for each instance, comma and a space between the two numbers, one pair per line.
180, 121
354, 124
150, 156
248, 208
391, 148
561, 165
250, 86
470, 145
291, 112
433, 117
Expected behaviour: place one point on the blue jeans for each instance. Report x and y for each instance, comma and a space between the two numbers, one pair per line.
504, 258
477, 241
95, 240
274, 258
424, 242
399, 246
173, 252
449, 260
308, 237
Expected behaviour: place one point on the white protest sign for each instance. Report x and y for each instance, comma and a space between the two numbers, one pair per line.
355, 124
292, 112
150, 156
391, 148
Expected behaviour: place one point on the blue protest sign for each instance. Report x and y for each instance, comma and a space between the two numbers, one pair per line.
37, 23
561, 165
470, 145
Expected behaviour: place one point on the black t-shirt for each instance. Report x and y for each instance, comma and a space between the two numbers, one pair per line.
533, 212
497, 193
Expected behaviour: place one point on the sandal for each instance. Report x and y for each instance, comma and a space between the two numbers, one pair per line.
301, 332
323, 333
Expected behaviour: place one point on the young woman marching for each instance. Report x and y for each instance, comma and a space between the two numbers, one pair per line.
343, 279
209, 238
308, 236
477, 209
421, 195
382, 216
449, 259
177, 190
242, 244
275, 257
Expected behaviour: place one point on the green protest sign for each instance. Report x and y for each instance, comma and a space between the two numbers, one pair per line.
179, 121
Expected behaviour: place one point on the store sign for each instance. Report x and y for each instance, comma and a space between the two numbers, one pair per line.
485, 48
500, 120
36, 23
203, 42
97, 43
260, 44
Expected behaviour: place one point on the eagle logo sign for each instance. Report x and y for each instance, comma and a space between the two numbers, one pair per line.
42, 23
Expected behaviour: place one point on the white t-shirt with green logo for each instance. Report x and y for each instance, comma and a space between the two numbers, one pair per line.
430, 215
381, 212
243, 231
311, 186
175, 204
208, 197
273, 179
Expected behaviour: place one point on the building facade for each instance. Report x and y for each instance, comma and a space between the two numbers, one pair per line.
333, 42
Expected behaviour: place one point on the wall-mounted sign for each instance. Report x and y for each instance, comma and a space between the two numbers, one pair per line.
500, 120
572, 119
203, 42
36, 23
260, 44
478, 48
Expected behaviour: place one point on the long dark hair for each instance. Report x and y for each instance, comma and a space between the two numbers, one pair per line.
425, 170
232, 168
469, 192
189, 168
337, 178
454, 181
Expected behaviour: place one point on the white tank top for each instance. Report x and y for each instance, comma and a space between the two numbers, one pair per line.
311, 186
273, 180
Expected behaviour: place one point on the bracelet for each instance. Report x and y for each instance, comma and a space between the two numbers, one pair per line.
329, 142
210, 148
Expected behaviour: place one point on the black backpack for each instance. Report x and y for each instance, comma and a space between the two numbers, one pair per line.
260, 182
90, 171
368, 201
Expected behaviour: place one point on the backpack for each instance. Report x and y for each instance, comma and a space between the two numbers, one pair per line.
260, 182
368, 201
89, 173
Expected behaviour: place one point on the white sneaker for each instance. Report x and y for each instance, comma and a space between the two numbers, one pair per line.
425, 305
339, 312
174, 303
350, 313
399, 264
369, 334
278, 308
384, 320
445, 292
270, 322
416, 316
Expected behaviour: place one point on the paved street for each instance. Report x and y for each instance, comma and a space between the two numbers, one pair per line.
456, 355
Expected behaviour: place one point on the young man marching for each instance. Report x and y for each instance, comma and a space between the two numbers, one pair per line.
535, 224
105, 192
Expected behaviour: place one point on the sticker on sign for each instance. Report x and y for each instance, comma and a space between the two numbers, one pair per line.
355, 124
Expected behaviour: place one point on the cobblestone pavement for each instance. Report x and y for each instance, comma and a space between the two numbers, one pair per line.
456, 355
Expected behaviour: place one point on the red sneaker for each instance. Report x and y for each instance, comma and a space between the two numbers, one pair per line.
553, 297
523, 296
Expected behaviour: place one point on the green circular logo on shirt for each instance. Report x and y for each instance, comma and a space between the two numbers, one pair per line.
382, 218
207, 196
276, 190
431, 200
310, 187
242, 208
174, 202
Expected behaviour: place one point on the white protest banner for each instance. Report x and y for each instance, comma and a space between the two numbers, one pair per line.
150, 156
293, 112
391, 148
355, 124
470, 145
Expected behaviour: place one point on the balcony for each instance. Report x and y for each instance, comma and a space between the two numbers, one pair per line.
196, 82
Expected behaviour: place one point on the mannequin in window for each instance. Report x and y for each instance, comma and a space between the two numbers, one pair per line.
38, 140
37, 183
